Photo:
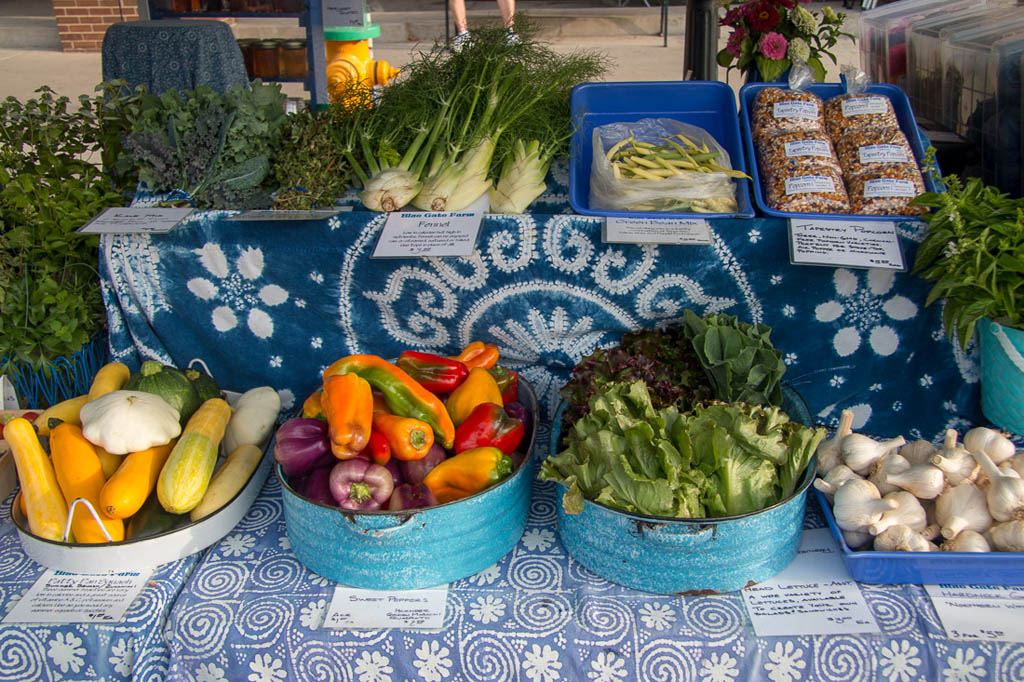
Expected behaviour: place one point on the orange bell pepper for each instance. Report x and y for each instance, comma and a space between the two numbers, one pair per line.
348, 405
478, 354
467, 473
479, 387
409, 438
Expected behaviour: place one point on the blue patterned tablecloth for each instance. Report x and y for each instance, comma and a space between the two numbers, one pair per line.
133, 649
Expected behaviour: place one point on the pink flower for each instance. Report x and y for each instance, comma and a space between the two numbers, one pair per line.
733, 45
772, 45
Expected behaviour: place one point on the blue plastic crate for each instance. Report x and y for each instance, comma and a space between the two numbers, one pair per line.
904, 115
925, 568
710, 105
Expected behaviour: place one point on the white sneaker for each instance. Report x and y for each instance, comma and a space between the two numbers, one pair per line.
459, 41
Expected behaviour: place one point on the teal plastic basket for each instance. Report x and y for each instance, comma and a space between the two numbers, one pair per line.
69, 376
1002, 375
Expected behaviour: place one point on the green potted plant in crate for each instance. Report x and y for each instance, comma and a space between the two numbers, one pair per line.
52, 181
973, 251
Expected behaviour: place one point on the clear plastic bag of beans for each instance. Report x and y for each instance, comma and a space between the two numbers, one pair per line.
781, 110
886, 191
863, 151
816, 191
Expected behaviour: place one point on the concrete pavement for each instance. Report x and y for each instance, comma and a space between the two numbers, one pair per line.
632, 44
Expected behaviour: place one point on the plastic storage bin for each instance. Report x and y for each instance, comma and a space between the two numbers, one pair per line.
883, 49
904, 116
926, 568
924, 52
710, 105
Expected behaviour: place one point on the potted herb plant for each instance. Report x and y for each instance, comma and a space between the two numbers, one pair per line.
767, 35
52, 182
973, 251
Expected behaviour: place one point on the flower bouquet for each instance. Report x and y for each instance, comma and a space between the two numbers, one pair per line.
767, 35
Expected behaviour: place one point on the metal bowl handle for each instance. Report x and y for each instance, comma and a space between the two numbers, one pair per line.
357, 524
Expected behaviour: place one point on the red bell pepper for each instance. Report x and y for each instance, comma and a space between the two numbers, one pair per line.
508, 382
488, 425
378, 450
436, 373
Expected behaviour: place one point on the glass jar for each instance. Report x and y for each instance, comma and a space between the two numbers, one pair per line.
293, 59
246, 45
265, 59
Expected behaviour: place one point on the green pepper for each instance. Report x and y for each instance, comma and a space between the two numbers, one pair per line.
508, 383
404, 395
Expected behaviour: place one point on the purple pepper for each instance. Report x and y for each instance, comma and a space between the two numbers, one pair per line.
318, 486
519, 411
396, 471
302, 445
407, 496
360, 484
414, 470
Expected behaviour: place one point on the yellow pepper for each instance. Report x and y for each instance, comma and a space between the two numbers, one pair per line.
467, 473
479, 387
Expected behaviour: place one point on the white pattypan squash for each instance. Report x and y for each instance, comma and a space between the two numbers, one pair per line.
129, 421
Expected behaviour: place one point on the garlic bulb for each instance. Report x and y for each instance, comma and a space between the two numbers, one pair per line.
922, 480
856, 539
909, 512
931, 531
994, 444
962, 507
833, 479
890, 463
900, 538
860, 451
828, 453
967, 541
955, 461
918, 451
1007, 537
1005, 493
1016, 463
857, 504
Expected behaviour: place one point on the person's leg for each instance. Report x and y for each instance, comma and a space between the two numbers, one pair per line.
508, 10
458, 8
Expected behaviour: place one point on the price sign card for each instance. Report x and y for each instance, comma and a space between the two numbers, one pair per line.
814, 595
354, 608
414, 235
284, 216
348, 13
135, 220
986, 612
621, 230
851, 243
62, 597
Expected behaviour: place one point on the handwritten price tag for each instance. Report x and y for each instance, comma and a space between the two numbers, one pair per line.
980, 612
379, 609
62, 597
135, 220
857, 244
656, 231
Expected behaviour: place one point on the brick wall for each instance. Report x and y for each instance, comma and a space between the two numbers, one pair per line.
82, 23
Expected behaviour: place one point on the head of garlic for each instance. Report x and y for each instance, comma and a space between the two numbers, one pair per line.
960, 508
921, 480
955, 461
918, 451
900, 538
1004, 493
857, 539
860, 451
857, 504
998, 447
908, 512
890, 463
1007, 536
1015, 463
833, 479
967, 541
828, 454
